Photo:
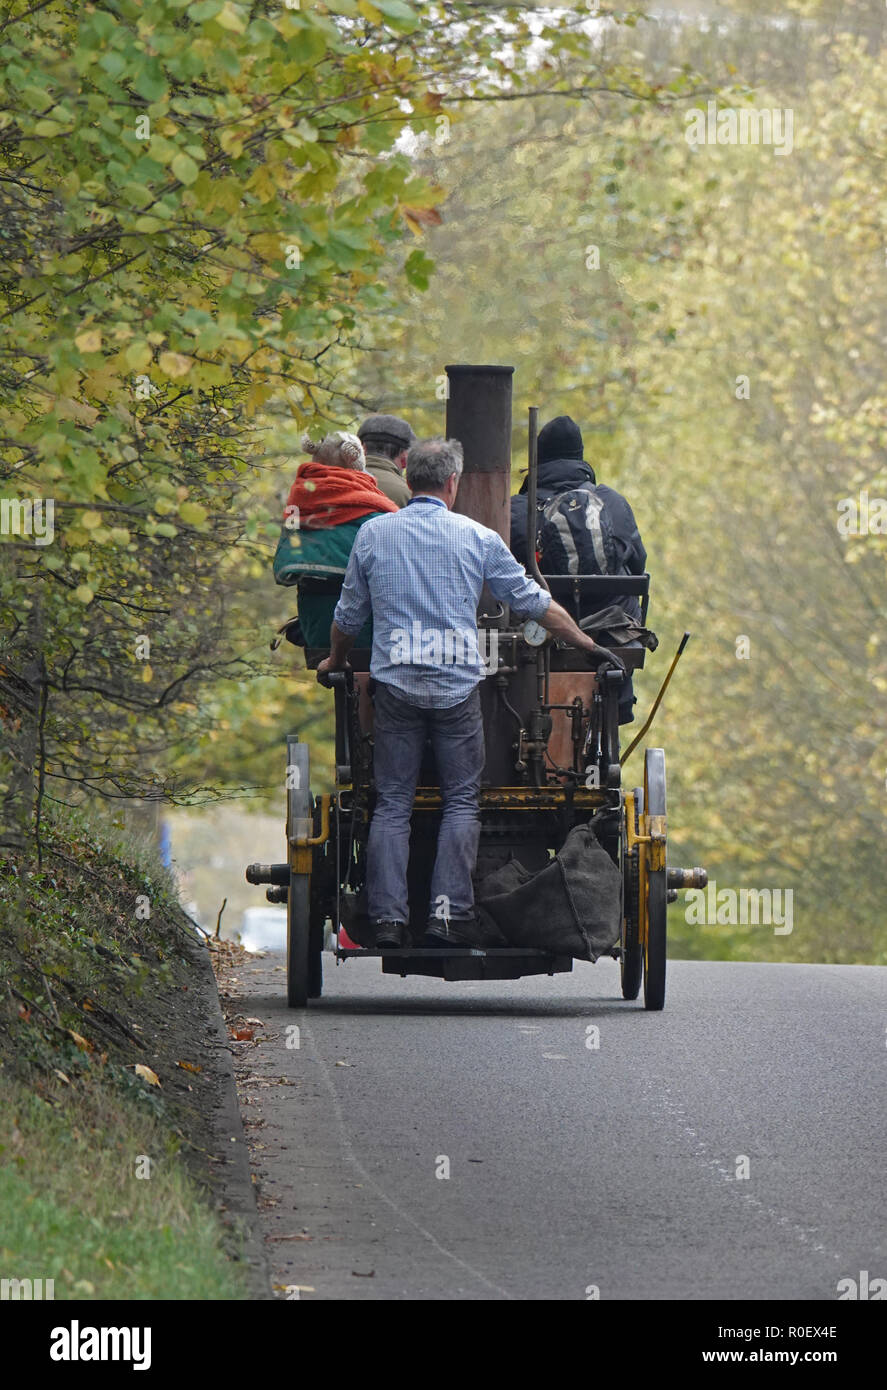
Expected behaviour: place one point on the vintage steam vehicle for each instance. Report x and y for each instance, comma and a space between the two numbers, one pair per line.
552, 761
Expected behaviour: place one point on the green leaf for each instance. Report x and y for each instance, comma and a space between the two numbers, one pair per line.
150, 81
400, 15
139, 356
184, 168
192, 513
418, 268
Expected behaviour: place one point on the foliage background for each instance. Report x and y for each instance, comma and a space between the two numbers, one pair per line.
326, 128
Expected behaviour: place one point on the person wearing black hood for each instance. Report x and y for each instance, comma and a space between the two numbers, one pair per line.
608, 519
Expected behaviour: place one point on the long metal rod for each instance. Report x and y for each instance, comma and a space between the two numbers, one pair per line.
657, 702
532, 473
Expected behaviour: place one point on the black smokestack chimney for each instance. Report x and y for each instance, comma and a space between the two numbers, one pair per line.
479, 416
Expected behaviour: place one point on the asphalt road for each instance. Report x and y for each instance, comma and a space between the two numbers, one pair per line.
571, 1167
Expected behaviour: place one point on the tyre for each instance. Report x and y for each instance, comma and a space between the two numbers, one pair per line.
632, 962
656, 887
297, 938
303, 971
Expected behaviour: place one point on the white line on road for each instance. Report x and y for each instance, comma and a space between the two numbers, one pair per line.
399, 1211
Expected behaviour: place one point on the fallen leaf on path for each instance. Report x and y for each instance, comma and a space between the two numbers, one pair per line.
188, 1066
82, 1043
147, 1074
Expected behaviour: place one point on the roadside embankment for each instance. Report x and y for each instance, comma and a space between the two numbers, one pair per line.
123, 1172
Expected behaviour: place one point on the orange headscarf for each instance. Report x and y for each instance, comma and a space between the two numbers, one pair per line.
328, 496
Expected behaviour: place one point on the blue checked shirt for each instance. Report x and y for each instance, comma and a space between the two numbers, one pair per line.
420, 572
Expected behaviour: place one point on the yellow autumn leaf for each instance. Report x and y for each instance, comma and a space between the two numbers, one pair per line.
147, 1074
68, 409
82, 1043
138, 356
175, 364
230, 18
232, 143
89, 341
192, 513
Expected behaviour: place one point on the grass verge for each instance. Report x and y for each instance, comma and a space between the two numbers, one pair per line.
107, 1079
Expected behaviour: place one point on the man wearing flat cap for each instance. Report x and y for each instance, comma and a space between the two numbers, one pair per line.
386, 439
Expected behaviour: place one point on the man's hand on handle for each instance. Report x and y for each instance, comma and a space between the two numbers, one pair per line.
558, 622
325, 669
340, 646
608, 657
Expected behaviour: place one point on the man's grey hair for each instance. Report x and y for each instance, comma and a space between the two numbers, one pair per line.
430, 462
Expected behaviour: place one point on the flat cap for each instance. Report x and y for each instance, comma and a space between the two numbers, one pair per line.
388, 427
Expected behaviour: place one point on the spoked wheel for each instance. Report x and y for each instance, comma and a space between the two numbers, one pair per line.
303, 971
654, 876
632, 963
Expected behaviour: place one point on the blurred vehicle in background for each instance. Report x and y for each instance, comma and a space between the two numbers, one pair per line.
263, 929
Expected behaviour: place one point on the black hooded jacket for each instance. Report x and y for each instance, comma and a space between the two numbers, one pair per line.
562, 475
559, 475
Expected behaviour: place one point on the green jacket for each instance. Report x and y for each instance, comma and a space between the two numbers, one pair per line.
322, 553
389, 478
318, 555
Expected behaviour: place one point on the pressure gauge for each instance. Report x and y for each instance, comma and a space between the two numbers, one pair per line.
533, 633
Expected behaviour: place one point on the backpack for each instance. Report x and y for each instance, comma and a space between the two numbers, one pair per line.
575, 534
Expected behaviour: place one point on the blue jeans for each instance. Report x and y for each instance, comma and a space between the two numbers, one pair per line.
400, 734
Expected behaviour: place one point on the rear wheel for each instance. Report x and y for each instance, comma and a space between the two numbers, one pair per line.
297, 935
303, 951
655, 886
632, 963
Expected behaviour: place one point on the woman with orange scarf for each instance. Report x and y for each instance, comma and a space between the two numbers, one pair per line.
330, 499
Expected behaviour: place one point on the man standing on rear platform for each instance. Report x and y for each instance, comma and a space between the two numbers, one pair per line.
420, 573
